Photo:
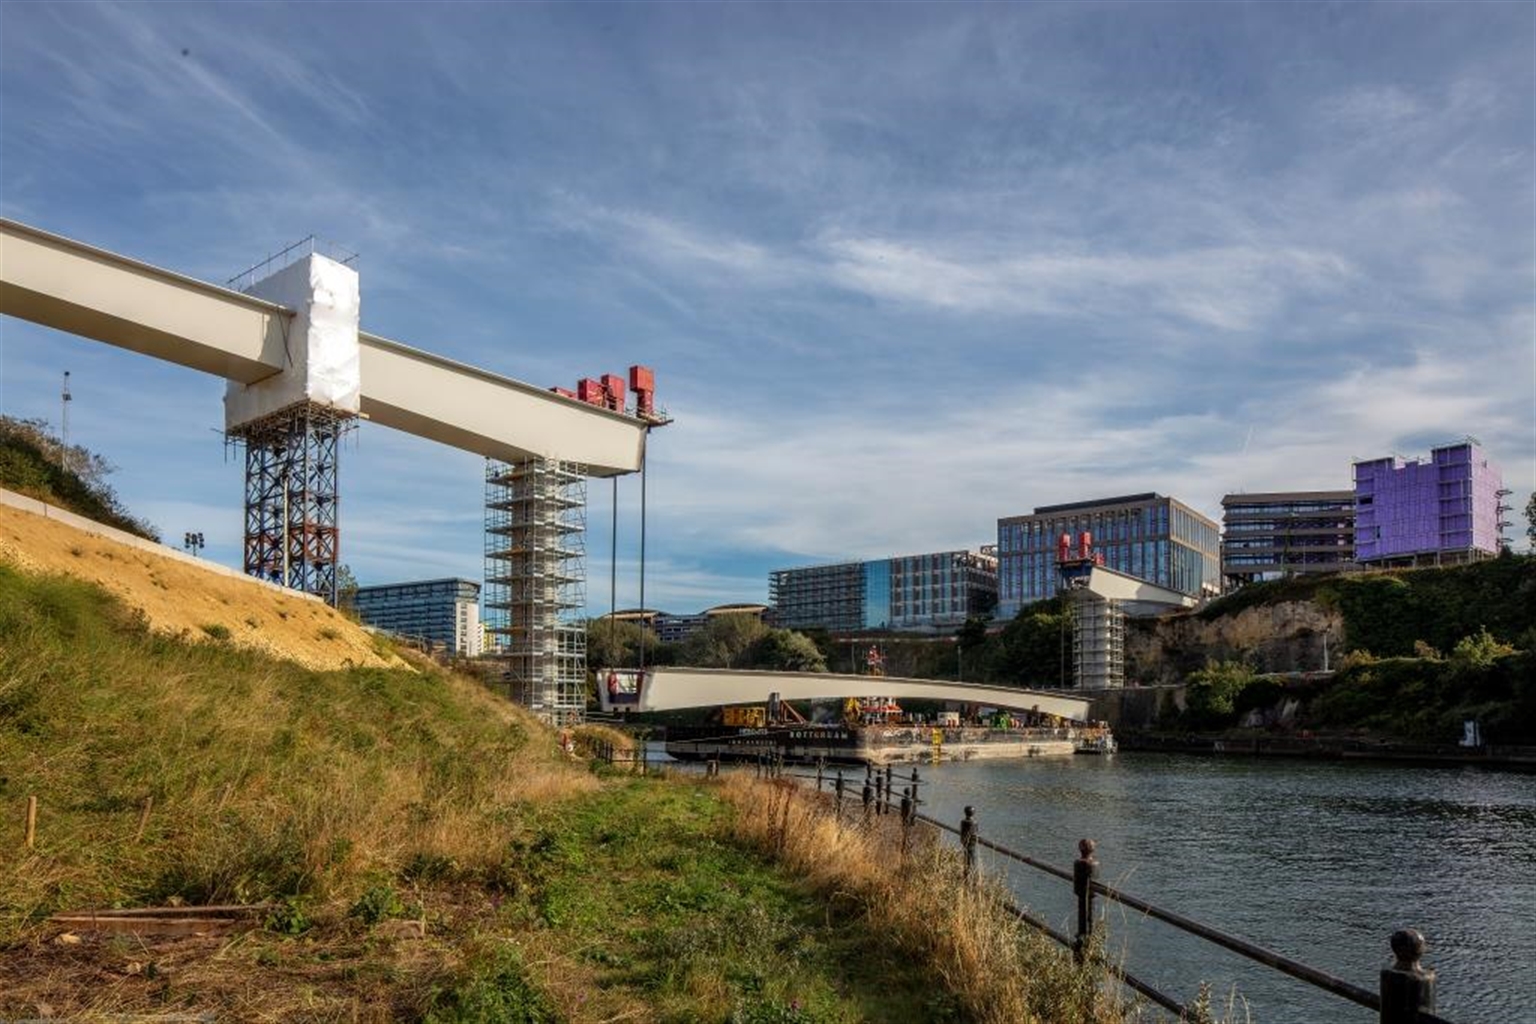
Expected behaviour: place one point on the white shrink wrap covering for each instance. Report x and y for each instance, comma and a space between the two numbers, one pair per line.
323, 357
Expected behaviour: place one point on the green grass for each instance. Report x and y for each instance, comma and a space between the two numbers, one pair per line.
356, 800
268, 779
645, 882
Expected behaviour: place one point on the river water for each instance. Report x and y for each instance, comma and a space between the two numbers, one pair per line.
1318, 861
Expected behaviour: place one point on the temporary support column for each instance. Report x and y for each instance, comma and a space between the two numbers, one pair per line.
1098, 641
292, 499
291, 425
535, 525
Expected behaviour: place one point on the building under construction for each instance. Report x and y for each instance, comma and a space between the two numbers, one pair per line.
535, 561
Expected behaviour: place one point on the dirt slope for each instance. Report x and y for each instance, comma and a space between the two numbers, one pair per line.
179, 598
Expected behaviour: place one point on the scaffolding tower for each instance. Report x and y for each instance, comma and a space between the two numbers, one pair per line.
292, 529
1098, 642
535, 560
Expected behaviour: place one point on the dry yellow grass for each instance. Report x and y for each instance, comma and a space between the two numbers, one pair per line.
180, 599
1002, 971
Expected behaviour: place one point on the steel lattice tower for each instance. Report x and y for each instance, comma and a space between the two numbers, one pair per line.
292, 504
535, 561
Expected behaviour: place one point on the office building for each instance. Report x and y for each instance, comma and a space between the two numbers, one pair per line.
912, 593
443, 612
1149, 536
1273, 535
1443, 511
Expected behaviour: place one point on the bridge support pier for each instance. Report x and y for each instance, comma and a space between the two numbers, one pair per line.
292, 499
291, 423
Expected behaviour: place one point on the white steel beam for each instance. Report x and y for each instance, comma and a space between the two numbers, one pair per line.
469, 408
70, 286
1119, 586
668, 689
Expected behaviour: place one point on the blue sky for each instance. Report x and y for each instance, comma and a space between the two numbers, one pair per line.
901, 269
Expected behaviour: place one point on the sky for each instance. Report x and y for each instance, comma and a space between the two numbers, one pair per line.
901, 270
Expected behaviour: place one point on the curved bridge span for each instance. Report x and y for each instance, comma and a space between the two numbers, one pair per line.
669, 689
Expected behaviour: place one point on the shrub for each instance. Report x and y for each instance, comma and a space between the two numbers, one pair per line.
1211, 693
216, 630
1479, 650
290, 916
379, 903
35, 462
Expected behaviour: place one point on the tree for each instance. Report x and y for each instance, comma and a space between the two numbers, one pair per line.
1530, 519
1030, 649
346, 587
723, 641
970, 640
784, 650
613, 643
1210, 695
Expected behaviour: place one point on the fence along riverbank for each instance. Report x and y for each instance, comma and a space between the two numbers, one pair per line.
1405, 993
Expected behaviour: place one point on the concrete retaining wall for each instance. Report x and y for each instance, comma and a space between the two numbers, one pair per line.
79, 522
1133, 707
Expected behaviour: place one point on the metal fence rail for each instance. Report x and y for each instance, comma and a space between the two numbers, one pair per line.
1406, 994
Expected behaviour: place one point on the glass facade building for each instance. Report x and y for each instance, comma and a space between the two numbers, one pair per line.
443, 612
1155, 538
913, 593
1273, 535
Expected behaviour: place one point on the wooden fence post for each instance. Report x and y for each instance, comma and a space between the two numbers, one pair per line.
1083, 871
149, 803
906, 820
31, 821
1407, 987
968, 832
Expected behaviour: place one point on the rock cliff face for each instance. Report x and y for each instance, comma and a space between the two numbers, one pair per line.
1284, 637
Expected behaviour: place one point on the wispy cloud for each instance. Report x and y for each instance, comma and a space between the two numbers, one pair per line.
900, 273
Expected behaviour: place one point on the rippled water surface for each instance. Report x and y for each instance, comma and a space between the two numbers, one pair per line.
1320, 862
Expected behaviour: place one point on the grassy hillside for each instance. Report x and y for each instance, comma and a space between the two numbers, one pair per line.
267, 779
34, 462
352, 802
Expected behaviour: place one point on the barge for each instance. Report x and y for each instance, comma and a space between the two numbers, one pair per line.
879, 743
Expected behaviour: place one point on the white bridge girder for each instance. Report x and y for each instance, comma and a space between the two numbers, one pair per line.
669, 689
77, 288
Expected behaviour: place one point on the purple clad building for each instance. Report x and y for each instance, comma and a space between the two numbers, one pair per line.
1440, 512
